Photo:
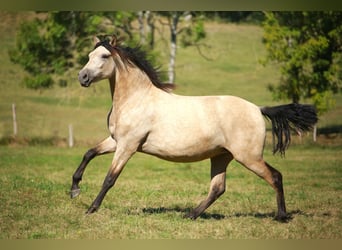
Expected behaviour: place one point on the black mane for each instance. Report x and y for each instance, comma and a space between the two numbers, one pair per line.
137, 57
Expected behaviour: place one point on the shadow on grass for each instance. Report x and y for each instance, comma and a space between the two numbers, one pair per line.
185, 211
217, 216
289, 218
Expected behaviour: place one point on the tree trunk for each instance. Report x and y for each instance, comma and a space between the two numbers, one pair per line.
141, 27
150, 28
173, 22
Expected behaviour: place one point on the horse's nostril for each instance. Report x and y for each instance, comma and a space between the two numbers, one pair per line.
84, 78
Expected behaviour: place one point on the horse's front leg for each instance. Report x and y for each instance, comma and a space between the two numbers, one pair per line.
120, 159
106, 146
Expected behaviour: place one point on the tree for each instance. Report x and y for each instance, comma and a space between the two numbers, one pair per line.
36, 52
173, 20
191, 29
307, 46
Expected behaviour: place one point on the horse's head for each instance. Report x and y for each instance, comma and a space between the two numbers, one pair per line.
100, 64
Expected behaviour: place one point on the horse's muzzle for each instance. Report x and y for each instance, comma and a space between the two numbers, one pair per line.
84, 78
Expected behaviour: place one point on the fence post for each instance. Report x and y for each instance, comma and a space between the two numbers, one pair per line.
314, 133
14, 114
71, 136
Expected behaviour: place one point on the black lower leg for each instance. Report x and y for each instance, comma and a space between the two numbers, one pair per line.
107, 184
278, 183
77, 176
213, 196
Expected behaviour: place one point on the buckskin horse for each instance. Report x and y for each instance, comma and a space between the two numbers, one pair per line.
147, 117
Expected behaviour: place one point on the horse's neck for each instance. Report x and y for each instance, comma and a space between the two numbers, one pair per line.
129, 84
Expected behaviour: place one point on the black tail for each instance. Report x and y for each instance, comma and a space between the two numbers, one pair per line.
293, 116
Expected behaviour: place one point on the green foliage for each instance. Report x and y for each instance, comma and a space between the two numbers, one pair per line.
28, 47
193, 33
39, 81
308, 47
42, 49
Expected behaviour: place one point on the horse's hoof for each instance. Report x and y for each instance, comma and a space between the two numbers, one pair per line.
190, 216
74, 193
283, 218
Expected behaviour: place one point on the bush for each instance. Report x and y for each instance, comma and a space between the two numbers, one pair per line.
41, 81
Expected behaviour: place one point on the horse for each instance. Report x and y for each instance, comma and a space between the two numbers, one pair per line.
146, 116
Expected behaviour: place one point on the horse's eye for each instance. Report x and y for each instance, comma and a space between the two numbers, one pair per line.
105, 56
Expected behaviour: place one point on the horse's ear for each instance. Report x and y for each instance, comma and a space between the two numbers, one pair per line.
113, 40
96, 40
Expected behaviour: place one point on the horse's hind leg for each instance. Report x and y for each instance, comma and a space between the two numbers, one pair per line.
106, 146
275, 179
217, 185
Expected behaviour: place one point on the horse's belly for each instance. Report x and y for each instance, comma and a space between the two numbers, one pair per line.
182, 157
182, 150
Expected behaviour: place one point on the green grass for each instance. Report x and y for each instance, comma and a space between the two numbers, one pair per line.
235, 51
152, 195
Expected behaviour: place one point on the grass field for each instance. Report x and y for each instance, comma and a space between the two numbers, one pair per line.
152, 195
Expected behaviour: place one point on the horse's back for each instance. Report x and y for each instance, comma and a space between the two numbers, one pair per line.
224, 111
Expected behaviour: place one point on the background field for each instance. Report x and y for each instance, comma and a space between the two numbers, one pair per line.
151, 195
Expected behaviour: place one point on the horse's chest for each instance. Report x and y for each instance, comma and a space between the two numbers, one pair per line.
122, 124
111, 122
